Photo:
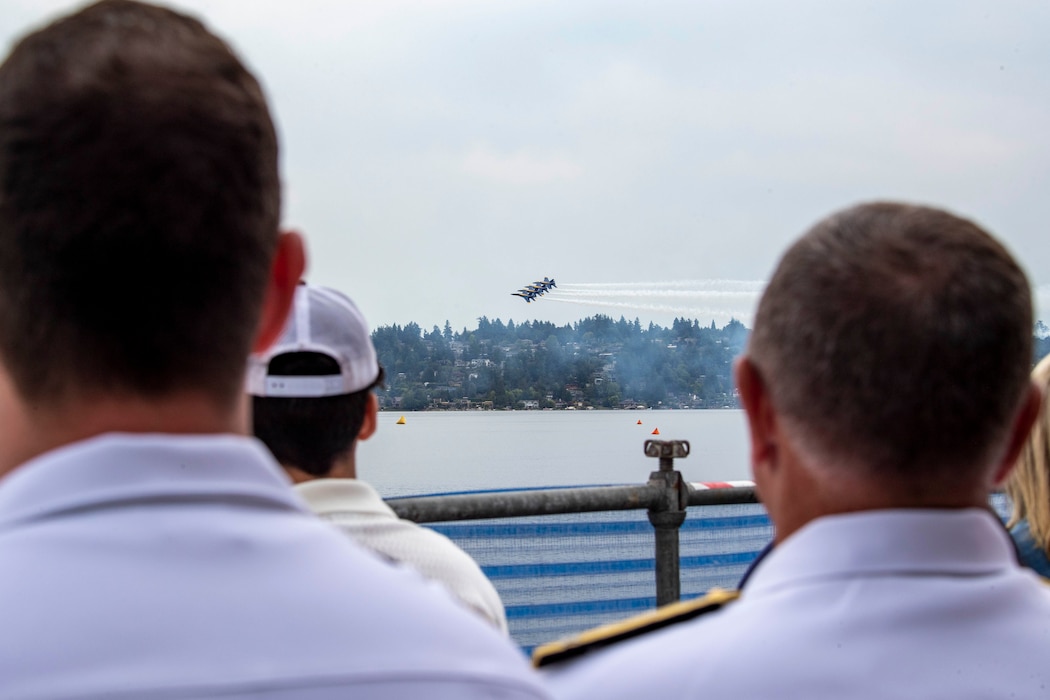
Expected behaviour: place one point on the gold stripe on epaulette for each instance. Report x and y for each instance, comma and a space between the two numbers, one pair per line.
637, 625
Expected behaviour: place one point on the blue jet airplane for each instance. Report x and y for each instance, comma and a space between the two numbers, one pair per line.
546, 284
535, 290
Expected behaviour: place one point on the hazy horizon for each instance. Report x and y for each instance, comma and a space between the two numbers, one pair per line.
440, 154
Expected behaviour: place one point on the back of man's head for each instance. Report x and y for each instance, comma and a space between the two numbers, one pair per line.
139, 203
310, 389
897, 341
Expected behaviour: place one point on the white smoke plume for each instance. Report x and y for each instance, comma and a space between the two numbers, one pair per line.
717, 300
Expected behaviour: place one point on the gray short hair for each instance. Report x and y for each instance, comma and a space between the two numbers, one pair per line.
898, 338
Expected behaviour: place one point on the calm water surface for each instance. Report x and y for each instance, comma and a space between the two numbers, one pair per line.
436, 452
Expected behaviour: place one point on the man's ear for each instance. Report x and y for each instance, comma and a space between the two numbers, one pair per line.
289, 262
368, 425
761, 418
1031, 411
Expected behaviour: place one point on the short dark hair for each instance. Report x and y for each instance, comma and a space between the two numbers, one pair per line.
139, 205
309, 434
899, 338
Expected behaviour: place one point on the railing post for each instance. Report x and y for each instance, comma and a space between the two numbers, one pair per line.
667, 514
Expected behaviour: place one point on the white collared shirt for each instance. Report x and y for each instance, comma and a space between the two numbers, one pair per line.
357, 509
163, 566
881, 604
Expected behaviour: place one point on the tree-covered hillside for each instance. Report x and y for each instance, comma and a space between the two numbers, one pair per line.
596, 362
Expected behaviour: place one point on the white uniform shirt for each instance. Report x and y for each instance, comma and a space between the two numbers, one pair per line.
889, 604
156, 566
356, 509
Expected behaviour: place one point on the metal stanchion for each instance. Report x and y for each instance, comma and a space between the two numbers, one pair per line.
667, 513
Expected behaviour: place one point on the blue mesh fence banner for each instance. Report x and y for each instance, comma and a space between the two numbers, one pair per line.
562, 574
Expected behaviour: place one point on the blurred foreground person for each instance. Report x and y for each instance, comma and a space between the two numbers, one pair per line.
312, 402
1029, 488
886, 393
148, 547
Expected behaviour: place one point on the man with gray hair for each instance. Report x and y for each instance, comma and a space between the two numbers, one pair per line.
886, 390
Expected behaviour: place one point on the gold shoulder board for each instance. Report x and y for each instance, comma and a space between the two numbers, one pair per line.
635, 626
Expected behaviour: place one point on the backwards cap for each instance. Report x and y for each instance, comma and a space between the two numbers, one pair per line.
327, 322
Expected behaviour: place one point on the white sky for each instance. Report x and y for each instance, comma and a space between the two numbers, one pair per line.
440, 154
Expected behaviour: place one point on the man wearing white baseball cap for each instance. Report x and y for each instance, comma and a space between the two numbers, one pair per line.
312, 402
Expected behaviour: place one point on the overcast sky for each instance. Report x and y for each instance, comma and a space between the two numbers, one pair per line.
438, 155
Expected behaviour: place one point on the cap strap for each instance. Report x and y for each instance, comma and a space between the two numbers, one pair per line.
305, 387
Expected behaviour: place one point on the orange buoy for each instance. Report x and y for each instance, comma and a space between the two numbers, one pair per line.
400, 421
639, 421
656, 431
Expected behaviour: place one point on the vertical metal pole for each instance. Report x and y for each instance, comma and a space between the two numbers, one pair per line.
667, 515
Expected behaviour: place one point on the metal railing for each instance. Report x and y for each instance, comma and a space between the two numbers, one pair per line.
586, 565
665, 496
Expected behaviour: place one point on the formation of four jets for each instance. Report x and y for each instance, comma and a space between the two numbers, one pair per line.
534, 290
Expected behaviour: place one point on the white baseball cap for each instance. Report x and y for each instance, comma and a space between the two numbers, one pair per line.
324, 321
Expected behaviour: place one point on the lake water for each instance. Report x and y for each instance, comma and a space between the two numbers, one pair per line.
440, 452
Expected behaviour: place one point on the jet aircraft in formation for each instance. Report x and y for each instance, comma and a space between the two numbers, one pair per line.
535, 290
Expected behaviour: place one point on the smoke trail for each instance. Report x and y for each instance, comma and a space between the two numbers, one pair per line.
705, 298
718, 298
709, 284
664, 293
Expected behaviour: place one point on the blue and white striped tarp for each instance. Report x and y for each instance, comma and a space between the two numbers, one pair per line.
562, 574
